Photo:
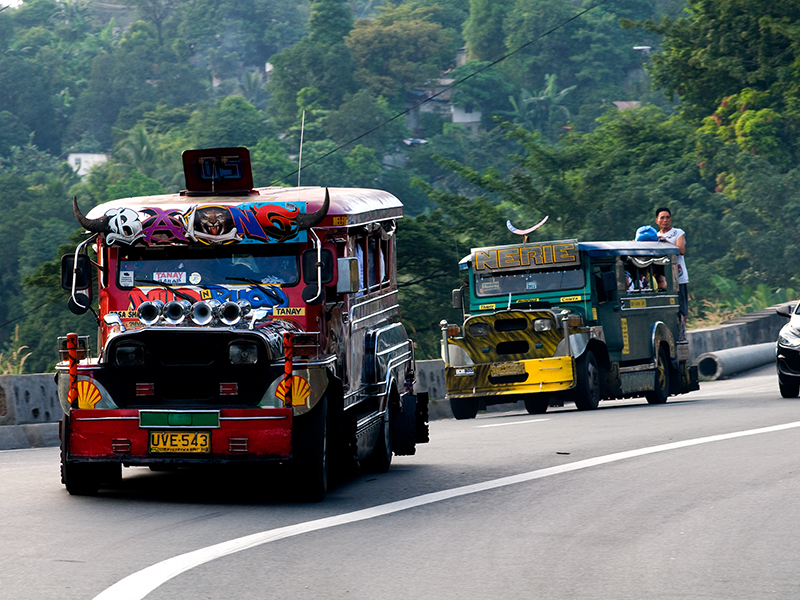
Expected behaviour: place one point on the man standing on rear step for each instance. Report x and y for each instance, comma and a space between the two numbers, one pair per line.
677, 237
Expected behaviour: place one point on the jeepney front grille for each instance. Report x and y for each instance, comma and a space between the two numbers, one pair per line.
184, 368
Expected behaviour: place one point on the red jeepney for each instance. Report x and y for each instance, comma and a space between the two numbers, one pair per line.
238, 325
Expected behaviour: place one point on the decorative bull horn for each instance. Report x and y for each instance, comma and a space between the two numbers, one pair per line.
307, 221
94, 225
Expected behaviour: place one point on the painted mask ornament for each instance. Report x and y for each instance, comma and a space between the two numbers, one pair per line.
210, 225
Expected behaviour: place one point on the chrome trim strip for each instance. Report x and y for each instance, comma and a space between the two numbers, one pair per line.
368, 422
635, 368
267, 418
105, 418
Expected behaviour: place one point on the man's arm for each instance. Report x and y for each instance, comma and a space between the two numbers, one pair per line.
681, 244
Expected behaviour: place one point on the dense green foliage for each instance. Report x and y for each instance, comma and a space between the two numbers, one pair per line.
144, 81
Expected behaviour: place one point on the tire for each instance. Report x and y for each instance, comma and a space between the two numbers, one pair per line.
85, 479
310, 453
537, 404
380, 459
586, 394
464, 408
660, 391
790, 388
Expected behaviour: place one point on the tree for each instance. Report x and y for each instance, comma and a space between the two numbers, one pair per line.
724, 46
156, 12
320, 60
361, 113
483, 30
486, 90
399, 49
232, 122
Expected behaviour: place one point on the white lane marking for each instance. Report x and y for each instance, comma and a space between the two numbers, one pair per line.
141, 583
511, 423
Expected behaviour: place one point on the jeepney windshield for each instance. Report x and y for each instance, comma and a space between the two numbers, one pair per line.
494, 283
182, 265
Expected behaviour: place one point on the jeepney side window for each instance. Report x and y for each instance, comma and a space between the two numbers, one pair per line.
373, 260
359, 253
384, 250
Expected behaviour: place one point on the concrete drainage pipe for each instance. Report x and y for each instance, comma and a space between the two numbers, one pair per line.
724, 363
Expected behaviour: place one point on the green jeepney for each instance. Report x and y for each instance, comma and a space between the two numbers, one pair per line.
566, 320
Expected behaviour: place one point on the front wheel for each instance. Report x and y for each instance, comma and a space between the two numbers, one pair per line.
537, 404
790, 388
660, 391
464, 408
587, 388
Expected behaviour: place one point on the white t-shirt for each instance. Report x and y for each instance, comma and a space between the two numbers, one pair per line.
672, 237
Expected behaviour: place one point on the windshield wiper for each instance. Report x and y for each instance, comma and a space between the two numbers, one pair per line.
167, 287
269, 292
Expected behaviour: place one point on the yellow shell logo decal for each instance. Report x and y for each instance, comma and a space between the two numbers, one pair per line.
88, 394
301, 390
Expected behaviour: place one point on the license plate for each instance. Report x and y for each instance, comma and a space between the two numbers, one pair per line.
180, 441
503, 369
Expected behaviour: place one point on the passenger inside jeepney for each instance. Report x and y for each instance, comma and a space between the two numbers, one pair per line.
644, 275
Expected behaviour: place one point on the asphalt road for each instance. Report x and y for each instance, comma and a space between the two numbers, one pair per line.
695, 499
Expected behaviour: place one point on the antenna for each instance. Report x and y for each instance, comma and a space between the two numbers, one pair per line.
300, 158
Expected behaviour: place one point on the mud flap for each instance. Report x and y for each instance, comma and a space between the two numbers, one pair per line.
409, 425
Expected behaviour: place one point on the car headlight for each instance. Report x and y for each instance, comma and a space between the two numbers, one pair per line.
789, 337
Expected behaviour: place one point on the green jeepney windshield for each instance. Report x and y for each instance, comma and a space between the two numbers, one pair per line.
528, 281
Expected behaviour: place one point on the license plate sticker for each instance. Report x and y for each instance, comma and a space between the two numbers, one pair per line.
194, 442
503, 369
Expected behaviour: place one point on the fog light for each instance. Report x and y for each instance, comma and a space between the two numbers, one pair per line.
243, 353
129, 355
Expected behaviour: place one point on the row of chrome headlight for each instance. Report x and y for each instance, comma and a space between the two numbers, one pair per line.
203, 312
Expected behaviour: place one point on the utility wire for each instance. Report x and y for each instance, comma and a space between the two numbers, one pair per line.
448, 88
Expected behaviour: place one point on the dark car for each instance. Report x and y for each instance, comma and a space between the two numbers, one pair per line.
788, 352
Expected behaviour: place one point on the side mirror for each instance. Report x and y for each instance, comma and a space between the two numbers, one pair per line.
786, 311
82, 272
310, 266
458, 301
79, 303
348, 275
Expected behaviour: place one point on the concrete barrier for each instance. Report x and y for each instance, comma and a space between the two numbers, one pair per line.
29, 411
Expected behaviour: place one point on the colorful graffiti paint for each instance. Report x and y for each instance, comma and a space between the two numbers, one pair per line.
209, 224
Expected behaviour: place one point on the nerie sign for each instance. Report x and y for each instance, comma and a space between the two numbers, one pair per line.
526, 256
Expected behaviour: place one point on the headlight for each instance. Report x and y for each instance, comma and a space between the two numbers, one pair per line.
129, 355
789, 337
479, 329
542, 325
243, 353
